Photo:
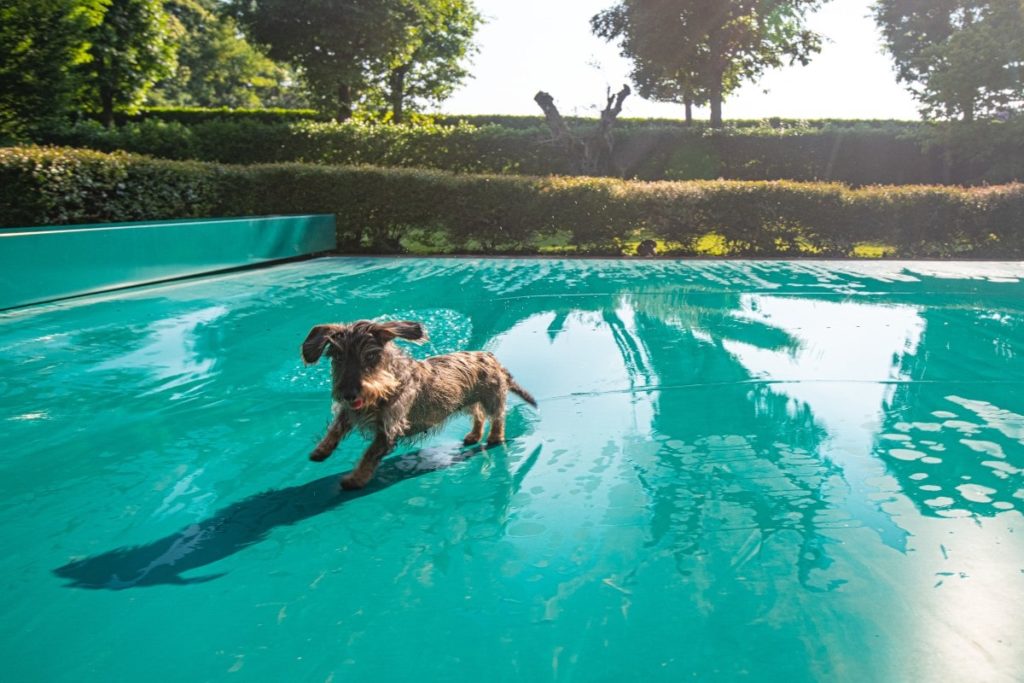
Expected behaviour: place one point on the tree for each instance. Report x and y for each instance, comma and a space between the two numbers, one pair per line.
130, 49
592, 152
334, 42
639, 28
432, 64
218, 67
701, 50
959, 58
41, 44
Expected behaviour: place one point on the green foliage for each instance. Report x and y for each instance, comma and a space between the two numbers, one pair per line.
40, 42
194, 115
770, 125
49, 186
217, 67
698, 51
858, 153
334, 42
383, 209
130, 50
432, 64
959, 58
663, 56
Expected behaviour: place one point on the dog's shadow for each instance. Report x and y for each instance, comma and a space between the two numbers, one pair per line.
239, 526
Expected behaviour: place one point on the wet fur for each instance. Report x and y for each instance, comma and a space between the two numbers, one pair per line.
403, 398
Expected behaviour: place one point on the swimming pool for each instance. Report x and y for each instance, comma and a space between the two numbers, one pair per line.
774, 471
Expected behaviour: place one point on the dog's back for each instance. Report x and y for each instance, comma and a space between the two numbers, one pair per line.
445, 385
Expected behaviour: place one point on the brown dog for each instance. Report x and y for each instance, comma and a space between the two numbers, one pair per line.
380, 390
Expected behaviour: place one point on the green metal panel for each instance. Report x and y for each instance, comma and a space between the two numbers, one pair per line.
45, 263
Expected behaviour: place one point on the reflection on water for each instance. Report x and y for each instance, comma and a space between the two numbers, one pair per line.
170, 354
805, 471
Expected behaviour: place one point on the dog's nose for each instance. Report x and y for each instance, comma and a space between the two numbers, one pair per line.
350, 395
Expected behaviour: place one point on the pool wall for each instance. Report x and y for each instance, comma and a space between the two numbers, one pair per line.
46, 263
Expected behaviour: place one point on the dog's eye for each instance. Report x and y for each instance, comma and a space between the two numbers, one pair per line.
373, 357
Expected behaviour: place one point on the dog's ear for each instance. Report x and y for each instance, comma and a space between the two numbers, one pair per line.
316, 342
406, 329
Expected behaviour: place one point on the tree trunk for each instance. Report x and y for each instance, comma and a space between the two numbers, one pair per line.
716, 102
396, 82
591, 155
968, 108
599, 145
107, 106
344, 102
554, 119
688, 103
719, 63
573, 150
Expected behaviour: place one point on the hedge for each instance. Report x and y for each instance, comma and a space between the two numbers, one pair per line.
194, 115
856, 154
388, 209
523, 122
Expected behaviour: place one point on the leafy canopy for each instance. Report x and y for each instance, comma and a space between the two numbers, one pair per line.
334, 42
218, 67
703, 50
42, 42
130, 49
959, 58
431, 65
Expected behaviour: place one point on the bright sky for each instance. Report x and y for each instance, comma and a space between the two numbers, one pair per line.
531, 45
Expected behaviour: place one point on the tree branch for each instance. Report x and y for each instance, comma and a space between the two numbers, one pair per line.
554, 119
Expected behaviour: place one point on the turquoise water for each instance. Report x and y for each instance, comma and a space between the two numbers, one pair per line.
772, 472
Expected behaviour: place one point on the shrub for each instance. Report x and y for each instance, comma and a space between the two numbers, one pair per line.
580, 122
41, 186
193, 115
382, 209
853, 153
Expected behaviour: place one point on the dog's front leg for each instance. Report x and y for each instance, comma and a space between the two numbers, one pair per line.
361, 475
339, 427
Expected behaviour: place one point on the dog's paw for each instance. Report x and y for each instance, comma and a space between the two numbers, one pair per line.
318, 456
350, 483
495, 442
471, 439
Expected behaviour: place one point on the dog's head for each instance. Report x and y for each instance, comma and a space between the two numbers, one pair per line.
359, 356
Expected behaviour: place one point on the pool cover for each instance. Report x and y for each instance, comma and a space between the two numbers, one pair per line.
763, 471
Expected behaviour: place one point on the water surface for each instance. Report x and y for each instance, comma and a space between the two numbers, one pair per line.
763, 471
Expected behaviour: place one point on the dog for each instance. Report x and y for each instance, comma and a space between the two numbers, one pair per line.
380, 390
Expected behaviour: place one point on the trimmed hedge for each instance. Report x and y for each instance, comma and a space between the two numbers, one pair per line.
857, 154
194, 115
523, 122
387, 209
455, 148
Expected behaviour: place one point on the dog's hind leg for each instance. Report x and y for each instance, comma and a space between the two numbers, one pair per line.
494, 406
339, 427
361, 475
476, 432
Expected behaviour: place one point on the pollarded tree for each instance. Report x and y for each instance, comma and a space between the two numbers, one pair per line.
42, 42
432, 64
692, 49
959, 58
130, 49
334, 42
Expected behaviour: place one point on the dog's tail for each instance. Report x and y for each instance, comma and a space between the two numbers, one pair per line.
519, 391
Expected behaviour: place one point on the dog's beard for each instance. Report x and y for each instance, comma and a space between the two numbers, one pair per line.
378, 387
